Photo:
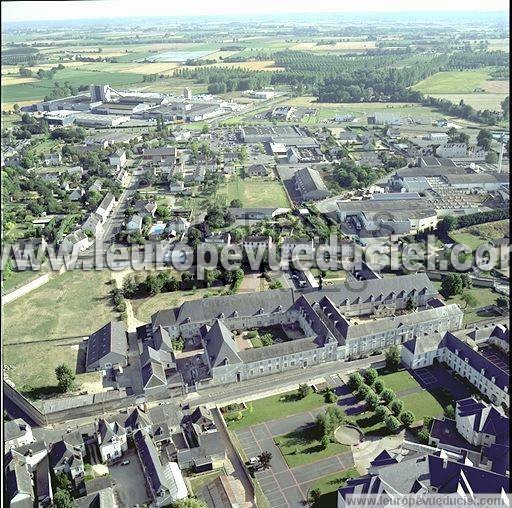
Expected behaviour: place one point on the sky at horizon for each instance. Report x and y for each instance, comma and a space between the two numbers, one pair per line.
98, 9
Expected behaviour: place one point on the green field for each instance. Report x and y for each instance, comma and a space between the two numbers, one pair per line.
453, 82
484, 297
254, 193
74, 76
73, 304
328, 486
302, 447
422, 404
398, 381
474, 236
479, 101
277, 406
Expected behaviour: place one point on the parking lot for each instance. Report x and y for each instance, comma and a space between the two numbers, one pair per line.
130, 485
284, 486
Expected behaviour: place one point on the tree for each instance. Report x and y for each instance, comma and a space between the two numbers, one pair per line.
484, 139
268, 340
449, 223
372, 399
387, 395
324, 442
378, 386
62, 499
392, 423
423, 436
236, 203
363, 391
452, 284
449, 412
62, 482
407, 418
329, 421
304, 390
505, 106
491, 158
65, 377
265, 458
355, 380
396, 406
315, 495
393, 357
470, 300
330, 397
370, 375
381, 412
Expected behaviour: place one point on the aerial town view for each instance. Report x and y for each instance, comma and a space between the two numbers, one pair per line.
255, 254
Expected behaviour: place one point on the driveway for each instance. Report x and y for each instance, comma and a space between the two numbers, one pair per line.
130, 484
284, 486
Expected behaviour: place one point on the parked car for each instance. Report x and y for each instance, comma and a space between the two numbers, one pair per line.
125, 462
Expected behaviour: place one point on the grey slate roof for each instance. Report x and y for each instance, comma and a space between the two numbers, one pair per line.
278, 350
310, 179
225, 306
111, 338
220, 345
14, 429
62, 453
17, 480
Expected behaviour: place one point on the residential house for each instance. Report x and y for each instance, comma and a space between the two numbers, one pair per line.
77, 241
75, 170
52, 159
145, 207
257, 170
112, 440
178, 224
96, 186
219, 239
118, 158
452, 150
106, 206
134, 225
17, 433
256, 242
93, 224
164, 481
107, 347
76, 194
65, 459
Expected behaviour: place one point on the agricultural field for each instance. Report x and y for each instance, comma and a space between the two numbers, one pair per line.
479, 101
337, 47
474, 236
453, 82
254, 193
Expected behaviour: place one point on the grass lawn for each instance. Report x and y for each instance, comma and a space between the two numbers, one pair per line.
32, 366
17, 279
328, 486
474, 236
422, 404
398, 381
254, 193
453, 82
256, 342
302, 447
369, 424
277, 406
484, 297
73, 304
144, 308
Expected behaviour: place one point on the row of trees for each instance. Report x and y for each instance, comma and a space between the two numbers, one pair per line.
450, 222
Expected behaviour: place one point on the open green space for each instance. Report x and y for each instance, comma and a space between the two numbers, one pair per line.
254, 193
422, 404
277, 406
73, 304
453, 82
484, 297
399, 381
144, 308
329, 485
368, 423
18, 279
302, 447
474, 236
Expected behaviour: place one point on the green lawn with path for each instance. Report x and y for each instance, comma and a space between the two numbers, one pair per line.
277, 406
329, 485
302, 447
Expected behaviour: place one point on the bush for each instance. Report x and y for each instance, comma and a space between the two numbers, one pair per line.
324, 442
355, 380
330, 397
370, 375
392, 424
372, 399
381, 412
304, 390
423, 436
449, 412
65, 377
378, 386
407, 418
396, 406
387, 395
363, 391
267, 339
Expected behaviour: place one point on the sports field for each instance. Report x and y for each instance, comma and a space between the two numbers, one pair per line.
261, 193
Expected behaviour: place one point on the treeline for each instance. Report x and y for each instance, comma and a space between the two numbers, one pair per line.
191, 62
41, 73
61, 90
477, 59
21, 55
481, 218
